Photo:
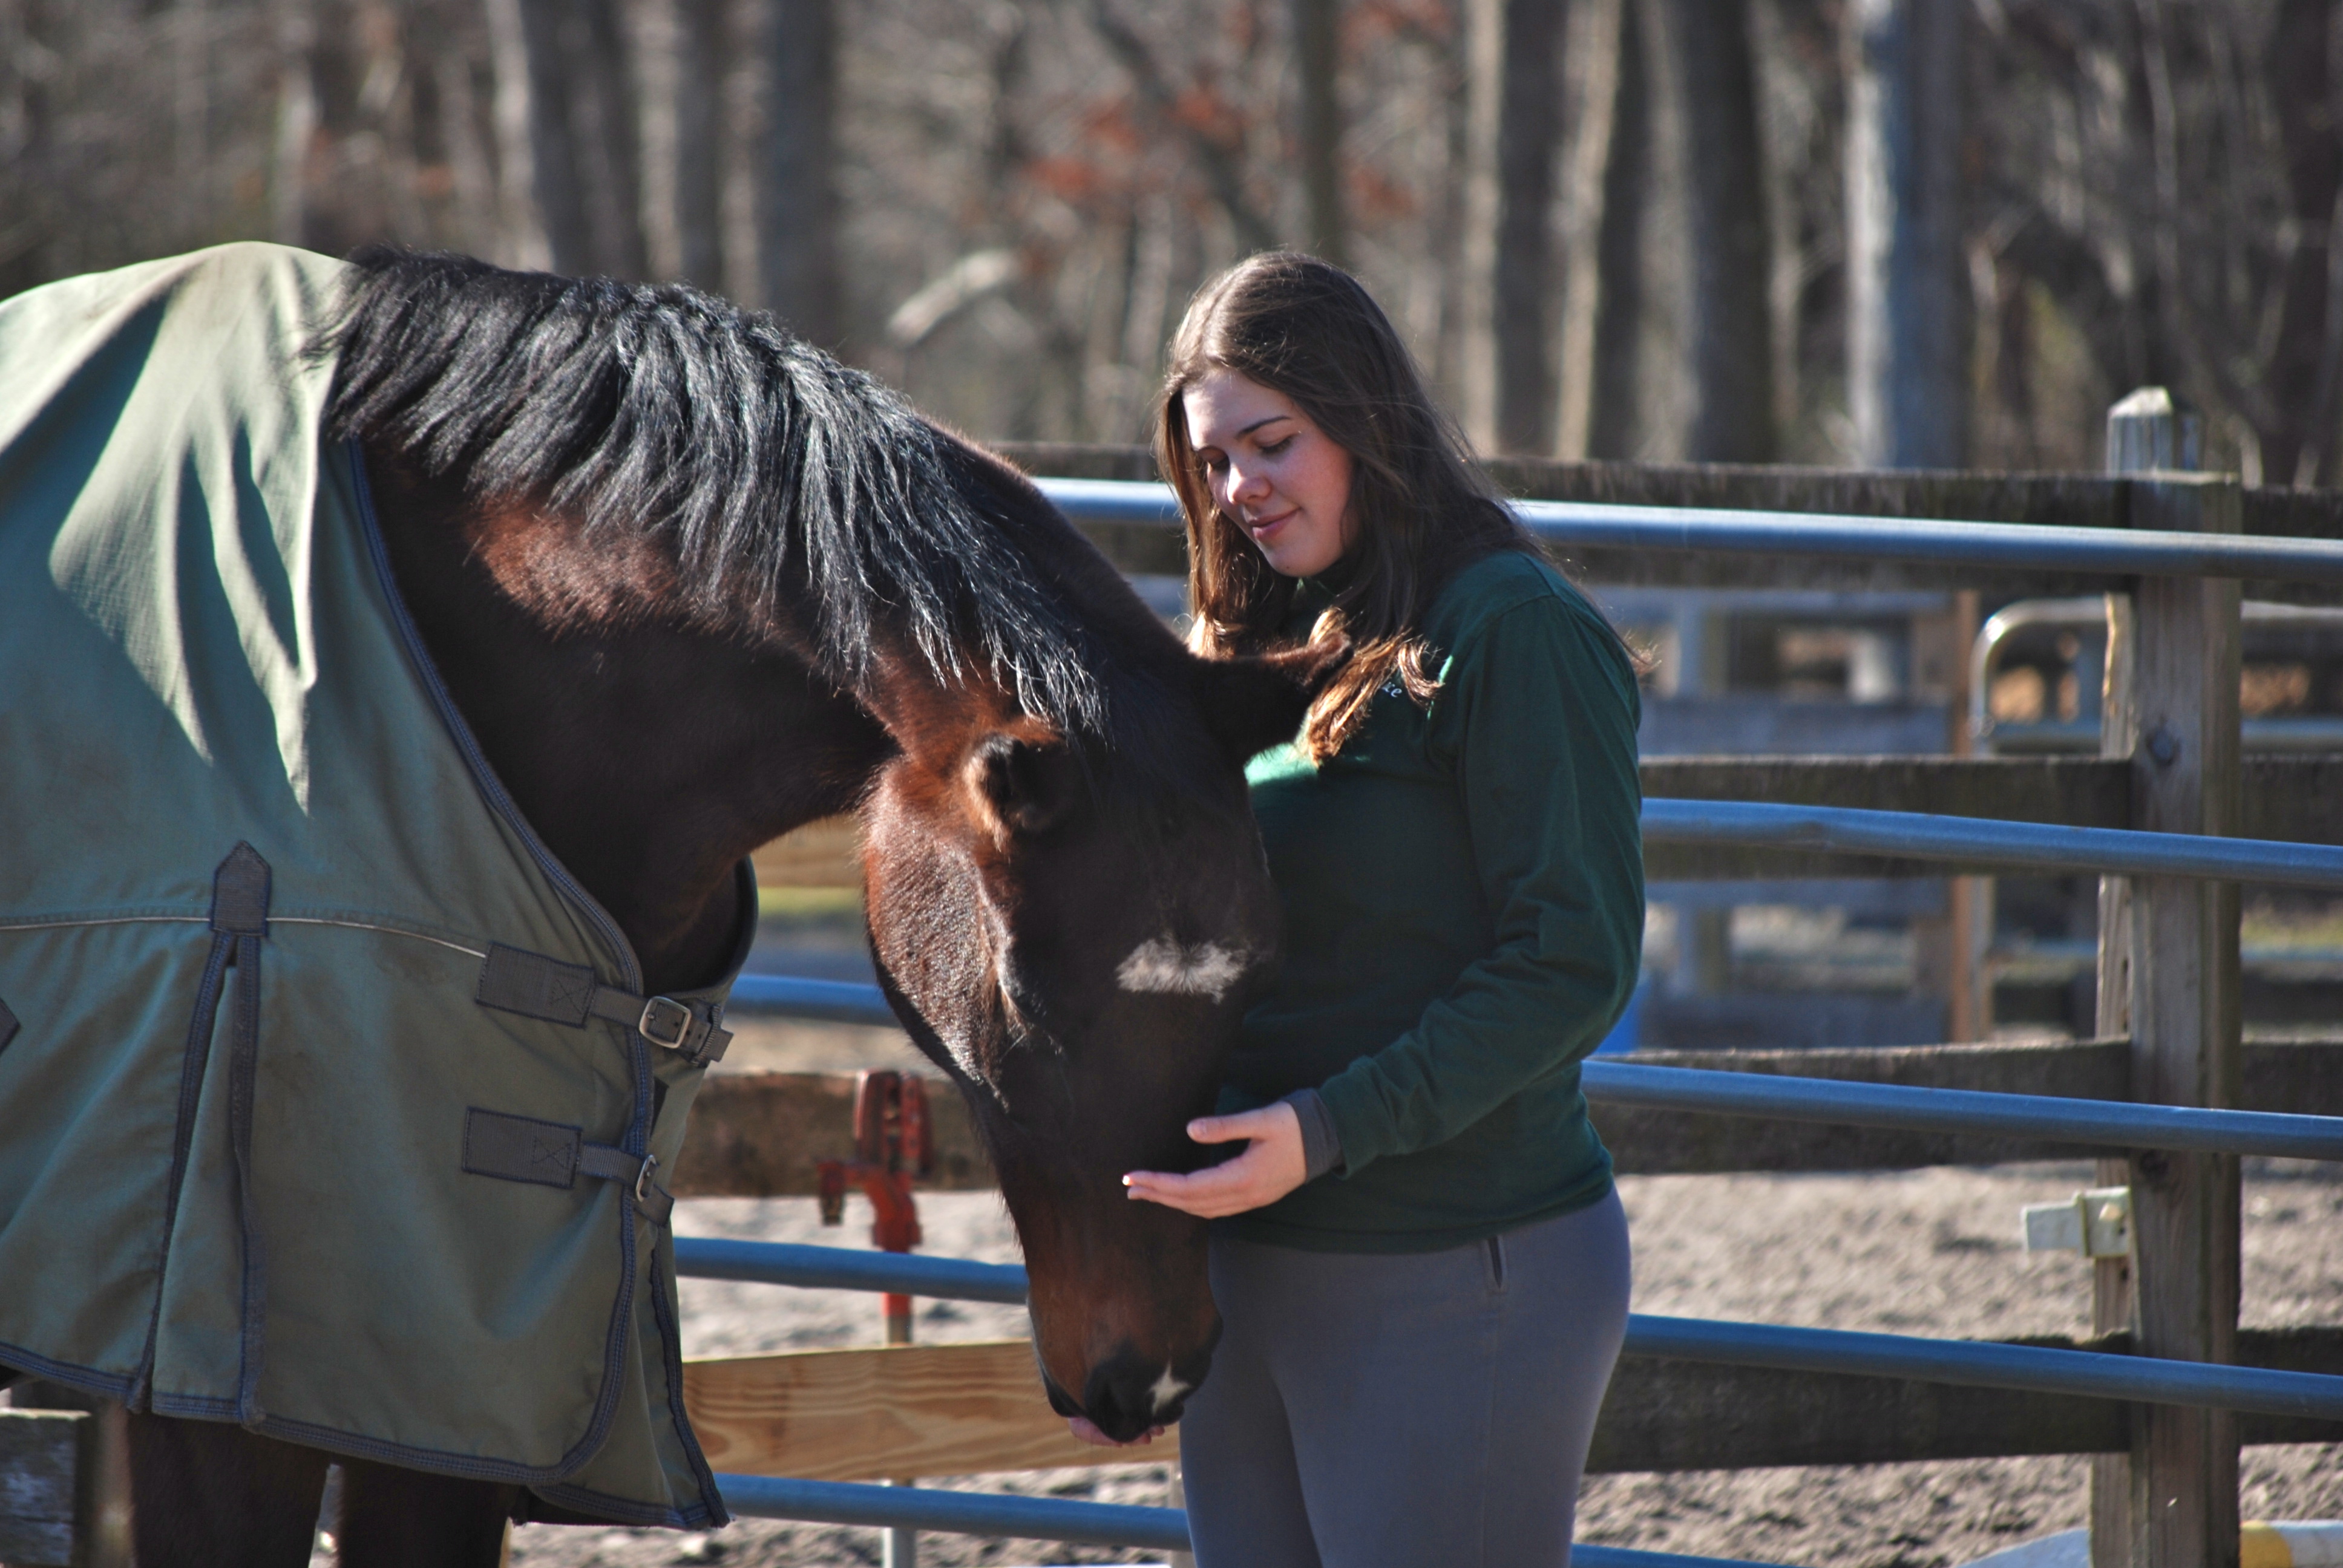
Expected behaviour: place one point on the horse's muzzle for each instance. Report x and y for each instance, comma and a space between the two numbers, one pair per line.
1128, 1394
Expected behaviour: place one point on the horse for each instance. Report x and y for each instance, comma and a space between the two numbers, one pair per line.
680, 583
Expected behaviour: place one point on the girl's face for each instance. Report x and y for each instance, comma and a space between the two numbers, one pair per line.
1283, 479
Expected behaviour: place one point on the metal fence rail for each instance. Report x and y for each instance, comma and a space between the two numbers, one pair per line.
1047, 1519
2090, 1374
822, 1000
2037, 846
847, 1268
2112, 1123
2115, 552
1919, 836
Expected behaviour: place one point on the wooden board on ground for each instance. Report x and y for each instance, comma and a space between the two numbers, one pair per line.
975, 1409
887, 1413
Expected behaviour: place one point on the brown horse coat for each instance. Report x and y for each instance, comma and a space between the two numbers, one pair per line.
281, 1142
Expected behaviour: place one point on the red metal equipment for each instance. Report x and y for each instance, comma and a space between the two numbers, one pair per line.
894, 1147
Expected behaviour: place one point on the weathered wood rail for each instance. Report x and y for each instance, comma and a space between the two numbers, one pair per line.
757, 1134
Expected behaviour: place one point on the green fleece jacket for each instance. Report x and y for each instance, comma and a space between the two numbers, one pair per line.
1463, 898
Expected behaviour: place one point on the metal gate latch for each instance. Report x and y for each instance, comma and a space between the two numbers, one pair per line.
2095, 1223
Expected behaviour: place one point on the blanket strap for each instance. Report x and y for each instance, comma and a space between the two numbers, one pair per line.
555, 1154
535, 986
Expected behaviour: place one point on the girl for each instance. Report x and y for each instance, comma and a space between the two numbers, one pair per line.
1419, 1260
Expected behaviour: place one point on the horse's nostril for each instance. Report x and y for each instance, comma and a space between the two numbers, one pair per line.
1127, 1395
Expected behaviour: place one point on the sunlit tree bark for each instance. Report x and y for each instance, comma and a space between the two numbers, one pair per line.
797, 199
1529, 132
1317, 57
700, 61
1732, 350
1907, 336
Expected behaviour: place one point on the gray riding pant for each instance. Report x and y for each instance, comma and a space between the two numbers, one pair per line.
1405, 1410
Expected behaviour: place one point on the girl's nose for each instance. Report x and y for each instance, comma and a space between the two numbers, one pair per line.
1246, 486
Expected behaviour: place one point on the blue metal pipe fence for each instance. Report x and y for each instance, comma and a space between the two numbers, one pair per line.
2032, 846
2018, 546
1048, 1519
847, 1268
2114, 553
2090, 1374
1905, 835
2110, 1123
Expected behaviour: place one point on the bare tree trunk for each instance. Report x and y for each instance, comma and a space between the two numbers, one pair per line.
191, 101
1908, 383
1731, 318
1603, 294
26, 122
297, 123
2300, 382
1484, 51
520, 227
553, 153
478, 226
700, 56
1451, 244
797, 205
609, 132
1529, 126
1318, 53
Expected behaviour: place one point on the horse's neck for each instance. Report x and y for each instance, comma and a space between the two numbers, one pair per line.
648, 759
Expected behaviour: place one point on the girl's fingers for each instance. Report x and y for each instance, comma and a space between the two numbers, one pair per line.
1222, 1190
1229, 1129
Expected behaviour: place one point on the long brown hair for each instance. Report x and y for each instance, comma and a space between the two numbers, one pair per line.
1309, 330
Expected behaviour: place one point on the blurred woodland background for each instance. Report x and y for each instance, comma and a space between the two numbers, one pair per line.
1902, 232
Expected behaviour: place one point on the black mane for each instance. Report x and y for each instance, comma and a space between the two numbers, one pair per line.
761, 461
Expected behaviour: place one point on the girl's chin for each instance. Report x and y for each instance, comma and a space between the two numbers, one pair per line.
1293, 563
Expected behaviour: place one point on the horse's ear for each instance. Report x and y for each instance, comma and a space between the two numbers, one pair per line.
1258, 702
1029, 784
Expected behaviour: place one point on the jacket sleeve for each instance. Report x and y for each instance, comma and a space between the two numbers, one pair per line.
1537, 713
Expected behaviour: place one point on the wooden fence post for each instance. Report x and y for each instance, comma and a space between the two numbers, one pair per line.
2177, 1505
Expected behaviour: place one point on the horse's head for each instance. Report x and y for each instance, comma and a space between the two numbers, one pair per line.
1073, 934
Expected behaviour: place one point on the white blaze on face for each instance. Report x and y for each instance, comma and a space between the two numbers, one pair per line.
1160, 964
1166, 1389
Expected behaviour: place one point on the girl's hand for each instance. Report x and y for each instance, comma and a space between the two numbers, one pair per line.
1268, 1170
1080, 1426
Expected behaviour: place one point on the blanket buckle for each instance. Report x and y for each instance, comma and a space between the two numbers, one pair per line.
678, 1015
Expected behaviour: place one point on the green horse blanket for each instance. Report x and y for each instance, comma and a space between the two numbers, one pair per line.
327, 1105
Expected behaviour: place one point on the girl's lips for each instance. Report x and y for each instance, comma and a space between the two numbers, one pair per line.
1257, 527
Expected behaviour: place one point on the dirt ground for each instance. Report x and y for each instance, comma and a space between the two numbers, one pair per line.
1928, 1252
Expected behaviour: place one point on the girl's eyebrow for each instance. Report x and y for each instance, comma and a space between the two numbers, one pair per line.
1257, 424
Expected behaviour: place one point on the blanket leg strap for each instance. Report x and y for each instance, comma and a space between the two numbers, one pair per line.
555, 1154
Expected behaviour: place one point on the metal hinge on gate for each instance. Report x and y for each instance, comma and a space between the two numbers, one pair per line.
2095, 1223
